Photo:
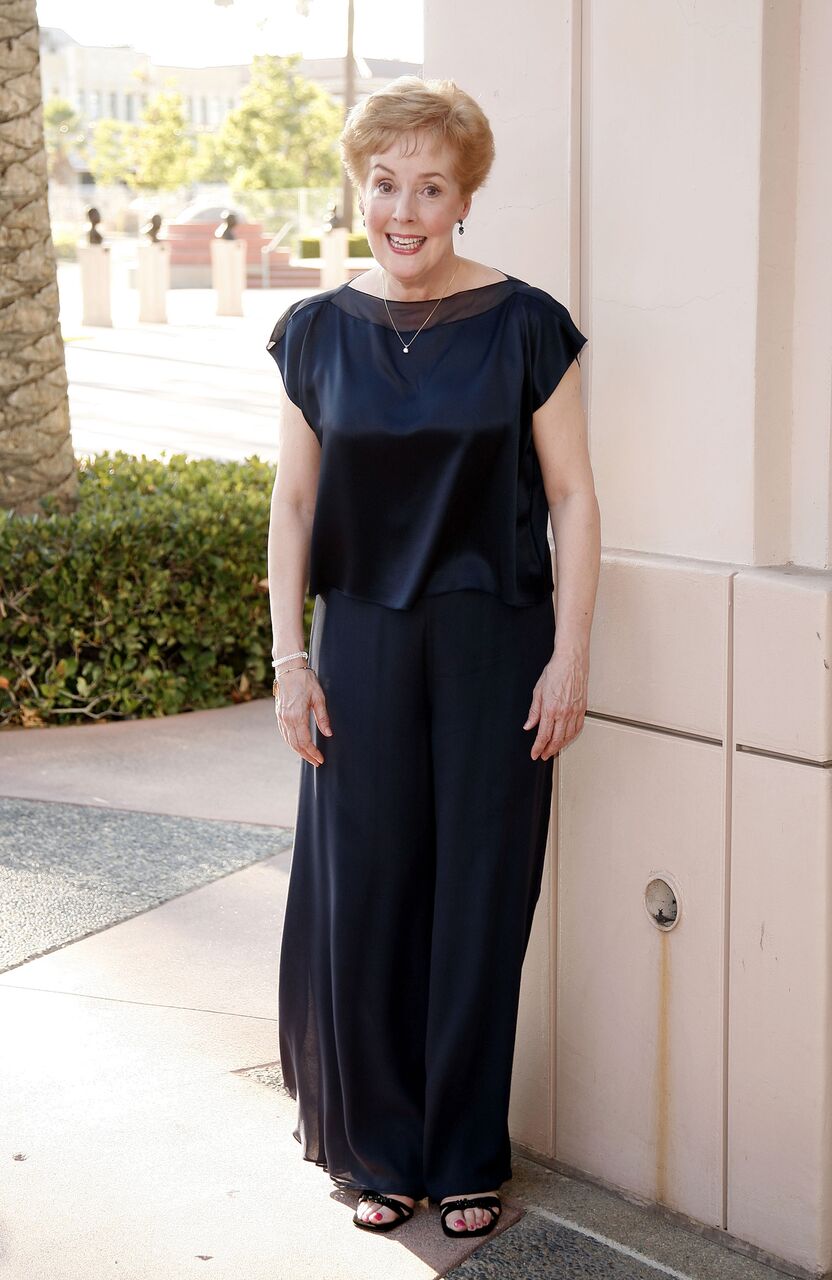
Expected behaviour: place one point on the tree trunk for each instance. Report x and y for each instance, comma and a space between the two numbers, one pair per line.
36, 454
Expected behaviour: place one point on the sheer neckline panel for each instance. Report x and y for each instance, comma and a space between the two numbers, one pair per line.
455, 306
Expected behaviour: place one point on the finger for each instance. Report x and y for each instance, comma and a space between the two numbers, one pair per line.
534, 710
548, 718
576, 722
302, 743
305, 735
310, 751
570, 728
559, 739
321, 713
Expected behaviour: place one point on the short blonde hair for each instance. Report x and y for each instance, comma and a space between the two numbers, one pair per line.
409, 105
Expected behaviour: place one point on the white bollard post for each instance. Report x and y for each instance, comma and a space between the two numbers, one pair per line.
95, 284
228, 275
154, 280
334, 246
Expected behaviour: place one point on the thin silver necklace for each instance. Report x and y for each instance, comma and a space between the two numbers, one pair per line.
407, 345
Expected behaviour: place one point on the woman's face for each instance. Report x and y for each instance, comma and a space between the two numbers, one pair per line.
415, 196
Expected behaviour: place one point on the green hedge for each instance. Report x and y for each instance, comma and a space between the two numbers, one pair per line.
149, 599
357, 246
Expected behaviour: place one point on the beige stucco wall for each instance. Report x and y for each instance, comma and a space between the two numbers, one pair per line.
663, 169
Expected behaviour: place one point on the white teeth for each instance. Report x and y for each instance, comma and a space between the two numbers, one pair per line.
406, 242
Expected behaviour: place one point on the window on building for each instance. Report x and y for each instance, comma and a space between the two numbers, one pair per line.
114, 105
129, 107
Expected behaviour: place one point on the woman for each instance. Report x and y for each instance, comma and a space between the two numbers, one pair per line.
430, 422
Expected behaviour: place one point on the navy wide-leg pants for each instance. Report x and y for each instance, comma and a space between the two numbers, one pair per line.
416, 867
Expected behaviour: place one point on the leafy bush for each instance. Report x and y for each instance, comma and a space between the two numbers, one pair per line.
149, 599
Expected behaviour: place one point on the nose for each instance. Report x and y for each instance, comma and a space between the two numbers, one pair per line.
404, 207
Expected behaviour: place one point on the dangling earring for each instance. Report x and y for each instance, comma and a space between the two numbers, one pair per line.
461, 228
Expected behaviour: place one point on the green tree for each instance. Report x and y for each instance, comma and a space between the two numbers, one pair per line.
111, 143
160, 152
209, 163
285, 131
63, 132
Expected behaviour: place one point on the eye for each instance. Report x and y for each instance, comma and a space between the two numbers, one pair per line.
431, 187
383, 182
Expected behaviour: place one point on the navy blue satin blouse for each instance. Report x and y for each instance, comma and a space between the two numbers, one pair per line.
429, 480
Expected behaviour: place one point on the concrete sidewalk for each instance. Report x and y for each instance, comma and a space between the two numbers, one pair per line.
202, 384
149, 1135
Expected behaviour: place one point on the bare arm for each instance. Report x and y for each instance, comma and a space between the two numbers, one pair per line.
290, 531
560, 440
290, 524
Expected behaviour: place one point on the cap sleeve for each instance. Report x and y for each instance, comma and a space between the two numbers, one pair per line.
287, 347
554, 342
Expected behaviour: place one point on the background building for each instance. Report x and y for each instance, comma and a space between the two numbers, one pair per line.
117, 82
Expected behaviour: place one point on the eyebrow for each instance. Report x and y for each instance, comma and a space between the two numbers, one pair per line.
435, 173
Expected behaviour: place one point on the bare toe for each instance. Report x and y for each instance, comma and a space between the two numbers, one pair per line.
466, 1220
373, 1211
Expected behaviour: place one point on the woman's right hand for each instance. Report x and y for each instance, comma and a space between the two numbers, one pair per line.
300, 691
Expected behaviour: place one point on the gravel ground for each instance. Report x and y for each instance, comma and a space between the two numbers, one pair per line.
70, 870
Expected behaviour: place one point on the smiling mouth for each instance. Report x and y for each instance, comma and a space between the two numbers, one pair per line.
405, 244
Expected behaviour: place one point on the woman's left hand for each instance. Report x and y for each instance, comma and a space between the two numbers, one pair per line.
559, 703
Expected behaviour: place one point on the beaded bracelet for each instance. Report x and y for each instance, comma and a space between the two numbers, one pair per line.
301, 653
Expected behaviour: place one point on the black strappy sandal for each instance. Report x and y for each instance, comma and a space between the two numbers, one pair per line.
404, 1211
493, 1203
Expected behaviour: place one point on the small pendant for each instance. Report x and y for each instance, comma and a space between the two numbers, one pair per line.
405, 350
